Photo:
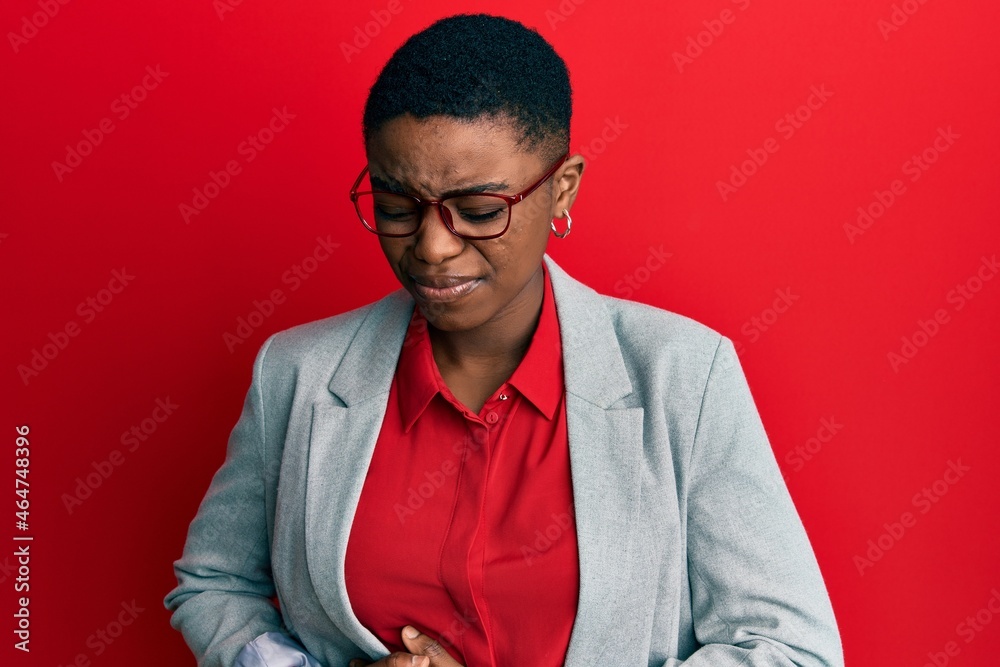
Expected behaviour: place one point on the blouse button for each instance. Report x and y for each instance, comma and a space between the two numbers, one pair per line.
492, 417
503, 397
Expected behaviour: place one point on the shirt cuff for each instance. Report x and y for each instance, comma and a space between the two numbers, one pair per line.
274, 649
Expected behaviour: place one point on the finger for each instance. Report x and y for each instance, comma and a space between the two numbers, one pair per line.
420, 644
396, 659
408, 660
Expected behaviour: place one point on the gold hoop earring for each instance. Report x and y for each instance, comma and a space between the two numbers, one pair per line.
569, 225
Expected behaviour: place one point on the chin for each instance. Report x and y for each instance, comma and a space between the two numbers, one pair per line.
446, 318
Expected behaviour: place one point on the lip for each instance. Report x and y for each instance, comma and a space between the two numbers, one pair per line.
444, 288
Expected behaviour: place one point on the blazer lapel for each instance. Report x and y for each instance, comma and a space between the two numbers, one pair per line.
341, 442
605, 453
605, 446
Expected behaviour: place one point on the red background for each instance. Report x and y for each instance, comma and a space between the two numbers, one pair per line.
651, 183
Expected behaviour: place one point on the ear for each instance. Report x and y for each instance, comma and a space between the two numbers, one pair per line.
567, 183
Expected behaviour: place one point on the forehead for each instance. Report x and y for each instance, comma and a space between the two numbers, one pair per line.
430, 155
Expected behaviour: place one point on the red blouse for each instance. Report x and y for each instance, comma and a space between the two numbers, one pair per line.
465, 526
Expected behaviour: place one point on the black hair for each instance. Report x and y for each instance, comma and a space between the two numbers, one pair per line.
472, 65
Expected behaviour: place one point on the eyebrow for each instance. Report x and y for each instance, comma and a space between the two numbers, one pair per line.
392, 185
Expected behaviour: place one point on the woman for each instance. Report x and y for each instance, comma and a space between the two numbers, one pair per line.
495, 464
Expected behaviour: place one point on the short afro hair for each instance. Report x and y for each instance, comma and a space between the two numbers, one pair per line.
473, 65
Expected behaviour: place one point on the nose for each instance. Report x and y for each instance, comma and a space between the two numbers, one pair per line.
434, 242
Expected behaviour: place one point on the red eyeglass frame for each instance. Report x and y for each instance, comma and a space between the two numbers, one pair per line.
443, 210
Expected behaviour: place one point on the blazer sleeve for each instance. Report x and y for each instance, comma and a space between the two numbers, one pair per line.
757, 595
222, 601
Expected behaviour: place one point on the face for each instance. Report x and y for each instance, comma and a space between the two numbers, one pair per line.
431, 156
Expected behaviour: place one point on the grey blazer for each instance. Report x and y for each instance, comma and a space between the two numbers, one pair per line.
691, 550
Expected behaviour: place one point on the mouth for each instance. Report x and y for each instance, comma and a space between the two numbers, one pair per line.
451, 290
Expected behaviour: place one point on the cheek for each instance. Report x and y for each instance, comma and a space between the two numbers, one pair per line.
392, 250
528, 238
517, 258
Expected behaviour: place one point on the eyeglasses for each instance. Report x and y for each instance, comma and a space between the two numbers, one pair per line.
467, 215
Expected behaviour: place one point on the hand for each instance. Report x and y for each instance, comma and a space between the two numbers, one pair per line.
424, 652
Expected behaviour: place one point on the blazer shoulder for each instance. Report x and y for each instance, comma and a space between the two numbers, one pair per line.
652, 331
318, 341
669, 359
